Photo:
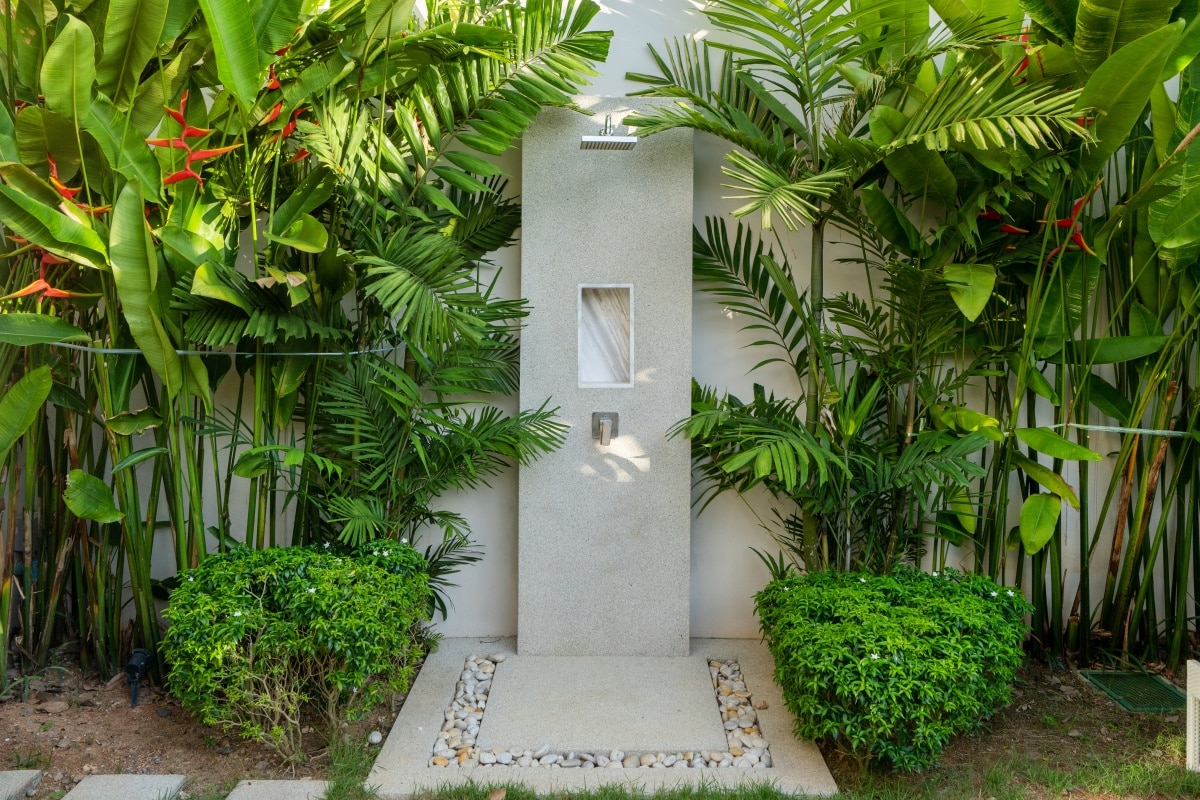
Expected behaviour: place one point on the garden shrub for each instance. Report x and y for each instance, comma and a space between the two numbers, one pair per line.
258, 637
889, 667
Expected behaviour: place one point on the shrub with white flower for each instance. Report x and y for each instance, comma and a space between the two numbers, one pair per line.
327, 634
890, 667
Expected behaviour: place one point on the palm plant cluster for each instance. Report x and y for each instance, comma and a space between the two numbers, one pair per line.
245, 286
246, 294
1015, 182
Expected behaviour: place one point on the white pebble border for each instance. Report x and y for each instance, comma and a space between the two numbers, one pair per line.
455, 744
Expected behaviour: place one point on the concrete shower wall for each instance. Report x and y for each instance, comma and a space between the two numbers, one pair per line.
603, 540
724, 572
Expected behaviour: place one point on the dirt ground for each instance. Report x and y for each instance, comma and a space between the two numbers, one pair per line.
72, 726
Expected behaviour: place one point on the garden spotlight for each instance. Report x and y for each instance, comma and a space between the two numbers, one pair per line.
135, 670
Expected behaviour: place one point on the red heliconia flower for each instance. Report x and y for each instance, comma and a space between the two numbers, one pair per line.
289, 128
181, 143
1072, 223
1006, 228
272, 115
178, 115
991, 214
182, 175
272, 81
301, 154
177, 143
213, 152
41, 286
59, 186
1077, 240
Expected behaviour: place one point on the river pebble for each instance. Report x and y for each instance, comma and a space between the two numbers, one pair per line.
454, 745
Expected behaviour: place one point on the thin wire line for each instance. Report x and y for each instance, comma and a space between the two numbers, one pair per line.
128, 352
1120, 429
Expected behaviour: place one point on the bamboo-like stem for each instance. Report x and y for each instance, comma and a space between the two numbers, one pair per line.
812, 400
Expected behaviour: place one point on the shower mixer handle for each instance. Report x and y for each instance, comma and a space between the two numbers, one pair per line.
604, 426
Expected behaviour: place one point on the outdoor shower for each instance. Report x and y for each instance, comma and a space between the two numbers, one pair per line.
607, 140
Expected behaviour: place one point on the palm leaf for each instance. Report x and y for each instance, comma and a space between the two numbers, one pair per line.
420, 278
733, 270
983, 110
771, 193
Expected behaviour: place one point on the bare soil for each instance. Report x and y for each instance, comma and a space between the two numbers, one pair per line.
71, 726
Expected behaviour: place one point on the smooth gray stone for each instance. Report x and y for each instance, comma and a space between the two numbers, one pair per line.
127, 787
278, 790
15, 783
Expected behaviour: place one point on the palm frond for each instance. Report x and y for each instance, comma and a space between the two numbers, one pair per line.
733, 270
361, 518
420, 277
771, 193
486, 103
763, 442
984, 110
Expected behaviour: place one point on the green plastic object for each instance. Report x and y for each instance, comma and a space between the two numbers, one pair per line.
1137, 691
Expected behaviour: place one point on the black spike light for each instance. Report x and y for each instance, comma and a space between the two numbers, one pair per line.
135, 671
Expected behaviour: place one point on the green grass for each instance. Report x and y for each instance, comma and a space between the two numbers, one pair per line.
217, 792
1015, 778
349, 765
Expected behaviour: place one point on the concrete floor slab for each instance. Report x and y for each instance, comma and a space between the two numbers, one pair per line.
278, 790
127, 787
588, 703
402, 769
15, 783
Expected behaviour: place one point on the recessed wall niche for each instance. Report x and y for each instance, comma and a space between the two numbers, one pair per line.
605, 335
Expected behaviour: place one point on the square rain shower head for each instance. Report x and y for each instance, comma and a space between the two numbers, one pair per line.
607, 142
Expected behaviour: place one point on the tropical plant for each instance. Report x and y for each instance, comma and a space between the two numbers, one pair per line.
887, 668
275, 187
258, 637
863, 117
1105, 296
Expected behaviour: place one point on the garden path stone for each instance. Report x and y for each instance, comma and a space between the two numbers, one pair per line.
402, 769
15, 783
278, 790
127, 787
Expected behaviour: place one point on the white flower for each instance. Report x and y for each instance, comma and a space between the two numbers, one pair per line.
404, 540
387, 552
191, 579
311, 590
994, 594
326, 545
237, 613
875, 656
862, 580
374, 552
1011, 593
935, 574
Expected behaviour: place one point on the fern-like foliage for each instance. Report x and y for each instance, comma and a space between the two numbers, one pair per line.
733, 266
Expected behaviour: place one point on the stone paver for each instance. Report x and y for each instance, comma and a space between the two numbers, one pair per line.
646, 704
278, 790
15, 783
403, 769
127, 787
